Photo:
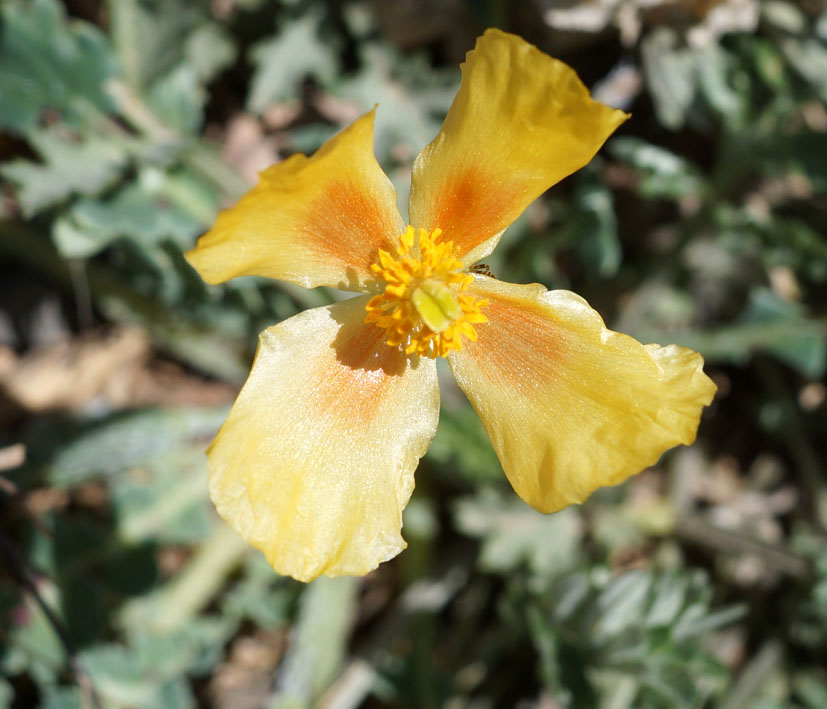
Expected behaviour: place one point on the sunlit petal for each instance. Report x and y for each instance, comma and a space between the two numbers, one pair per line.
569, 405
311, 221
315, 462
521, 122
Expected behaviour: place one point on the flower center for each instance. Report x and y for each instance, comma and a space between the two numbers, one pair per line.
423, 306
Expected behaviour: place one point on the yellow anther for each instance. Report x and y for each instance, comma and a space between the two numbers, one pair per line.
423, 306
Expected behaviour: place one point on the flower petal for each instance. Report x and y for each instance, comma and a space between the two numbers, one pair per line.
311, 221
521, 122
315, 462
569, 405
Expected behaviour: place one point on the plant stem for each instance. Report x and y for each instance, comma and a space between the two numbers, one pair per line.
193, 587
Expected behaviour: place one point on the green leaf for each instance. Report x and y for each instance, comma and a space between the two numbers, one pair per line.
140, 212
119, 677
162, 659
513, 534
590, 226
712, 68
147, 674
669, 75
47, 63
61, 698
297, 51
214, 344
209, 50
620, 604
636, 631
785, 16
33, 645
811, 689
768, 324
93, 449
662, 173
805, 348
152, 504
695, 621
195, 647
800, 342
769, 64
175, 694
6, 694
407, 119
668, 598
461, 443
84, 164
152, 37
259, 596
177, 99
809, 58
168, 52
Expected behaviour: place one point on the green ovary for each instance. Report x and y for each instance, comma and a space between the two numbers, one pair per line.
436, 305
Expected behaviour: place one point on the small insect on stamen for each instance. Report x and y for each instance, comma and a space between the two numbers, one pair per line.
482, 269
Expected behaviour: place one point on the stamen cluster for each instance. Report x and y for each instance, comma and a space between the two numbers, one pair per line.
423, 306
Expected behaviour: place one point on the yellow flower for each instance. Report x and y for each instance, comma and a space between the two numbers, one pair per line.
315, 462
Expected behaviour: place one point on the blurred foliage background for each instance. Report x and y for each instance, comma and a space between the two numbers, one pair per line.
125, 125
